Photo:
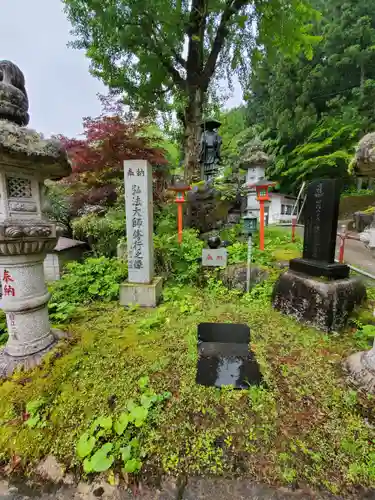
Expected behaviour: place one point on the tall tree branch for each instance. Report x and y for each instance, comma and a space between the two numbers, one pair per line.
232, 8
195, 31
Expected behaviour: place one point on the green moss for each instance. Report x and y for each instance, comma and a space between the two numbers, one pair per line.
304, 425
285, 254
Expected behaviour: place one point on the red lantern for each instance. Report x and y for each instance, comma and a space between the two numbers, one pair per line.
262, 187
180, 190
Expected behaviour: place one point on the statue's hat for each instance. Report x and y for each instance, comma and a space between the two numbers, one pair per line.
210, 124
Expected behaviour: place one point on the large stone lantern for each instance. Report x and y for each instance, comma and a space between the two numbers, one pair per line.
26, 161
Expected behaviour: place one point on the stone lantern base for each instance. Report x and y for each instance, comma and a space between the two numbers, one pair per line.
9, 364
25, 297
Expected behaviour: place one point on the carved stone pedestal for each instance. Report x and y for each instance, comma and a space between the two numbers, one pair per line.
24, 294
361, 369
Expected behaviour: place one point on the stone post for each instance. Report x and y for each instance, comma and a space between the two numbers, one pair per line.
142, 287
26, 161
361, 369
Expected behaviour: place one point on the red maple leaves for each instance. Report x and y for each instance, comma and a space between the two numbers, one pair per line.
97, 159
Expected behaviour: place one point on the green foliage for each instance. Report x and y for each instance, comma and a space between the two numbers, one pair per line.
365, 335
119, 438
178, 262
94, 279
313, 110
58, 207
102, 232
218, 35
276, 242
353, 191
36, 412
304, 422
3, 328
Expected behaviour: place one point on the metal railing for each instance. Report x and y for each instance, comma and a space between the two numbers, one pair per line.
343, 235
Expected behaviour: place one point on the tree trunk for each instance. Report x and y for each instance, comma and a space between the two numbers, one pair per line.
192, 135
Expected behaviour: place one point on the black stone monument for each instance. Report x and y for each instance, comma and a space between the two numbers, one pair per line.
321, 218
298, 293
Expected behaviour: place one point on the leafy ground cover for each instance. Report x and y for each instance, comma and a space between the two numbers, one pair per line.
135, 369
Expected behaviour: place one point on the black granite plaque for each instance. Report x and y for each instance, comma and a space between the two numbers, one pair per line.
321, 218
224, 357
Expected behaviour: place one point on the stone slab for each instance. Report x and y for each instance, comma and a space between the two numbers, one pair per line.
142, 294
323, 304
139, 220
321, 217
318, 268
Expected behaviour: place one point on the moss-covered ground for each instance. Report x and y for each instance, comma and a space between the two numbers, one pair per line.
304, 425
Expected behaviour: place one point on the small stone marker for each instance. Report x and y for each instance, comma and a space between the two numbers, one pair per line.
142, 288
214, 257
321, 218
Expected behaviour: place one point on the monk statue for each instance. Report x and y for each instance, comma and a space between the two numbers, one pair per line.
14, 104
210, 149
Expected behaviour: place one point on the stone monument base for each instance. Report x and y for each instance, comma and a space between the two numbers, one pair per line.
323, 304
9, 364
143, 294
317, 268
361, 369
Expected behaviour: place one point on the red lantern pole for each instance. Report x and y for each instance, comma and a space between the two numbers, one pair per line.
179, 219
261, 224
262, 195
342, 244
180, 190
294, 224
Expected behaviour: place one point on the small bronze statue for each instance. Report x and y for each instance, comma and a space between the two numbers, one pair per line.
210, 149
14, 104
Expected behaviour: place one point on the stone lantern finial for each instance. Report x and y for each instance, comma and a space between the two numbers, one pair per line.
14, 103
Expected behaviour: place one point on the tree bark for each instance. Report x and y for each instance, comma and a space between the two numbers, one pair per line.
192, 136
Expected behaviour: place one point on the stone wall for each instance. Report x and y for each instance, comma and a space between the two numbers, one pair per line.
351, 204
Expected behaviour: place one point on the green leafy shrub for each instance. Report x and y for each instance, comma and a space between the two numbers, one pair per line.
277, 243
101, 232
94, 279
165, 219
118, 439
178, 262
3, 328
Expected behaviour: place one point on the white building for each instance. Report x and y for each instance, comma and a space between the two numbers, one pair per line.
280, 206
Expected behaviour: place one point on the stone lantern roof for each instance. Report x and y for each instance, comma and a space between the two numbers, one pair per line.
255, 155
20, 146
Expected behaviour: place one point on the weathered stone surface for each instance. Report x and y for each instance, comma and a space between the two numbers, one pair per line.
222, 489
363, 163
323, 304
361, 221
234, 276
361, 369
14, 103
207, 211
195, 489
26, 145
50, 469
